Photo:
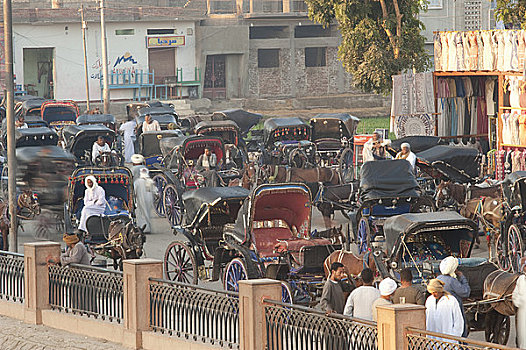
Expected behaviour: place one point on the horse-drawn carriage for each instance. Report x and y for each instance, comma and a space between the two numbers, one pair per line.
333, 133
272, 238
79, 140
230, 133
29, 106
59, 114
133, 110
387, 188
206, 212
150, 145
108, 120
286, 141
114, 234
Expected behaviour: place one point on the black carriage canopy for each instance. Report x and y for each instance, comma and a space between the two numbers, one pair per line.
226, 202
280, 129
40, 136
191, 147
460, 164
273, 208
387, 179
117, 182
514, 188
417, 143
31, 106
53, 112
244, 119
34, 121
151, 141
227, 130
333, 126
443, 230
95, 119
157, 110
164, 120
43, 154
79, 138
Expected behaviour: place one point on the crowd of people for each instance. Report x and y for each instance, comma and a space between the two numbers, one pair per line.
444, 309
376, 149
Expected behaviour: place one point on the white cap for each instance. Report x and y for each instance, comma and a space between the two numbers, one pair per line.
448, 266
387, 286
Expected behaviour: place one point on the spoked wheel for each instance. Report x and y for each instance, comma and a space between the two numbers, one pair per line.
235, 271
298, 158
346, 165
502, 252
172, 205
423, 204
497, 328
286, 293
160, 183
363, 234
180, 264
515, 252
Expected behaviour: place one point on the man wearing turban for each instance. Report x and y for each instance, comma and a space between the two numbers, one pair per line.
76, 251
387, 288
443, 313
456, 284
94, 201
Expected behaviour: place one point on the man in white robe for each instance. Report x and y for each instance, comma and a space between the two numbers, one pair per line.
145, 190
519, 300
128, 131
150, 124
99, 147
443, 314
374, 148
406, 154
94, 201
137, 165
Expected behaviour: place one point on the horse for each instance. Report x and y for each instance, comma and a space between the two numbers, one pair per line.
352, 263
461, 193
249, 177
279, 174
26, 200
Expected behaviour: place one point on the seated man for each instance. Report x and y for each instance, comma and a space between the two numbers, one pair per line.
190, 175
150, 124
99, 147
406, 154
206, 165
375, 148
94, 201
20, 123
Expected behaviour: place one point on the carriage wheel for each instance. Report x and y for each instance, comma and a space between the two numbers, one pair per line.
172, 205
235, 271
497, 328
180, 264
160, 183
515, 252
346, 165
286, 293
363, 234
298, 158
501, 249
423, 204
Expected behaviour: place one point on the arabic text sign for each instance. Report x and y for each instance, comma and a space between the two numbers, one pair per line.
164, 41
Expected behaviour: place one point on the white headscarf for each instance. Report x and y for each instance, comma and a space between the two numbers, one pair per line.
93, 180
405, 144
144, 173
387, 286
448, 266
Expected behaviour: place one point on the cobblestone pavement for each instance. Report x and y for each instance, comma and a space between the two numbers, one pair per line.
17, 335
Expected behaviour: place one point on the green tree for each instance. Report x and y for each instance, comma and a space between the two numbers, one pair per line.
380, 38
512, 13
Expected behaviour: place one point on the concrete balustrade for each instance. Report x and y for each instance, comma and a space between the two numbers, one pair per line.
134, 331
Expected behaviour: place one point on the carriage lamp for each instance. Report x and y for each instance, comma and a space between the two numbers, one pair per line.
394, 265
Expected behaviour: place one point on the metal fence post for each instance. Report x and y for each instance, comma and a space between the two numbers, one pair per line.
36, 278
392, 323
136, 273
252, 330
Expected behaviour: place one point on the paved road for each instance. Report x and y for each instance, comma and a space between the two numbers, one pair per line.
17, 335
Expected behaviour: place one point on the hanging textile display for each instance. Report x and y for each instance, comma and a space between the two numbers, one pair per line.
488, 50
414, 125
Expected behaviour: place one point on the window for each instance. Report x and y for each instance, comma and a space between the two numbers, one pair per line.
124, 31
434, 4
315, 56
269, 32
268, 58
311, 32
160, 31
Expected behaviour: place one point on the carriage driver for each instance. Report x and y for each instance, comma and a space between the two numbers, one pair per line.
406, 154
94, 201
99, 147
375, 148
206, 165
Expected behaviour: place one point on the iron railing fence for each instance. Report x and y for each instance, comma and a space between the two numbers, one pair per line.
196, 313
418, 339
87, 290
292, 327
12, 276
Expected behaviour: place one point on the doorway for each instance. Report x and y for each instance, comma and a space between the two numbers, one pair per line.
162, 63
215, 77
38, 72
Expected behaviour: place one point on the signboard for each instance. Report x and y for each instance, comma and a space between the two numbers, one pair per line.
153, 42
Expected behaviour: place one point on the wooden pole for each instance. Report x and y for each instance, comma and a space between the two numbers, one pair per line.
104, 45
86, 78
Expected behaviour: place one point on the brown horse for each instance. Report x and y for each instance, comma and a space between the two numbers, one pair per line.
462, 193
353, 264
27, 208
278, 174
248, 177
488, 211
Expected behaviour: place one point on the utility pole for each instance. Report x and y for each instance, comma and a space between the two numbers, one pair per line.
10, 115
106, 90
84, 27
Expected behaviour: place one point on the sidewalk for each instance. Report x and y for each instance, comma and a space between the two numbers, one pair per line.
17, 335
